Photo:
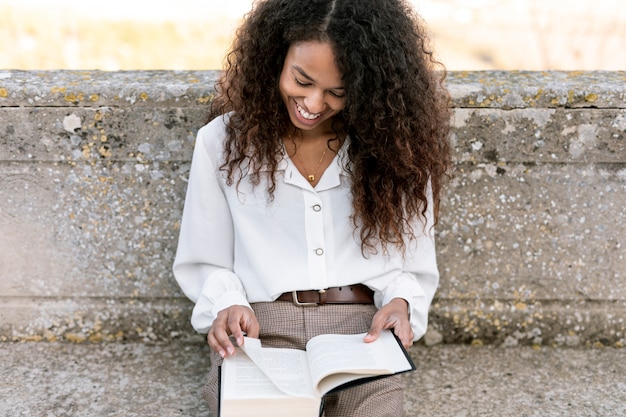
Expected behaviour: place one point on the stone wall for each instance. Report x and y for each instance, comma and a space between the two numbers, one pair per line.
93, 169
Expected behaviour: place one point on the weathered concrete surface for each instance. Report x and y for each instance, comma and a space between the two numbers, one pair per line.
101, 89
93, 170
139, 379
538, 89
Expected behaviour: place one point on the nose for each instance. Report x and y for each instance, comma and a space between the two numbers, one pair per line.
314, 102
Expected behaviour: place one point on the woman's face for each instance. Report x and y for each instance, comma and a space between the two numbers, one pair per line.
311, 87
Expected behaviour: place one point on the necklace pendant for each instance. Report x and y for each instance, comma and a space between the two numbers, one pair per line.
311, 178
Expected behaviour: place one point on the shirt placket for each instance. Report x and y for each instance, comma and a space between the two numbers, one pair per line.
316, 242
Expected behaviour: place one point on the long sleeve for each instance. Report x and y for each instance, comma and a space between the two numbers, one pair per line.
204, 258
419, 278
417, 284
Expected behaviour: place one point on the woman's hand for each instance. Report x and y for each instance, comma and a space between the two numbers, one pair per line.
234, 320
394, 315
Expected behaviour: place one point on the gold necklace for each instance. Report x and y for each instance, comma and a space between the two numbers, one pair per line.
310, 177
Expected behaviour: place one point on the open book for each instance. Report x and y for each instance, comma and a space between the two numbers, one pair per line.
258, 381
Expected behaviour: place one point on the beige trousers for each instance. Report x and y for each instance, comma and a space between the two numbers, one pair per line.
285, 325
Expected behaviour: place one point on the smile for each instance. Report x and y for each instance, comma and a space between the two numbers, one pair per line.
306, 114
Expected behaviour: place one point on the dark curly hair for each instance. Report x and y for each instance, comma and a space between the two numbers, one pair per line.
396, 114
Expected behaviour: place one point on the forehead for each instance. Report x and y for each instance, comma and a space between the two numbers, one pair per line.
316, 59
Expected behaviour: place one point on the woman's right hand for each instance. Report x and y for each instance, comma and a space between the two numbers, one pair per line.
234, 320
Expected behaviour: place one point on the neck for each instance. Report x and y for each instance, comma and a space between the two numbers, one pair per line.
328, 138
312, 154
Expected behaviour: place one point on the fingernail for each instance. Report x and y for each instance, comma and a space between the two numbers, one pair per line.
222, 353
231, 350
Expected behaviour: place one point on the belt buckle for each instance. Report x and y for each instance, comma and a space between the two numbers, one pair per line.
294, 295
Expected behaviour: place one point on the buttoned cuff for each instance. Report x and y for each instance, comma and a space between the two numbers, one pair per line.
205, 311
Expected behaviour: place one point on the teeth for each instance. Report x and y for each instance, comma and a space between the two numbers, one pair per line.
306, 114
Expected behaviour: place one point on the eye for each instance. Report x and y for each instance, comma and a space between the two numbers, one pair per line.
303, 84
338, 94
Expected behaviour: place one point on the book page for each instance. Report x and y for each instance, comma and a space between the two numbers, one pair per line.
288, 369
247, 391
242, 379
349, 354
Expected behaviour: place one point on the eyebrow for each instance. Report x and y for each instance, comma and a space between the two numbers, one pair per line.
308, 77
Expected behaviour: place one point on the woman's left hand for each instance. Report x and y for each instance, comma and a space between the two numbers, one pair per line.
394, 315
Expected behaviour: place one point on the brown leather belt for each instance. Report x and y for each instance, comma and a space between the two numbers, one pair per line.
349, 294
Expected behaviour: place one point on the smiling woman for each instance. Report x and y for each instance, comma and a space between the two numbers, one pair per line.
318, 176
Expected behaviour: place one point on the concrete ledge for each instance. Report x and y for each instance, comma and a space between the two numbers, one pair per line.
93, 169
146, 380
492, 89
538, 89
105, 89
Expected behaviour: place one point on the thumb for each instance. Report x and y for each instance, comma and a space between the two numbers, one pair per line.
372, 333
251, 326
252, 329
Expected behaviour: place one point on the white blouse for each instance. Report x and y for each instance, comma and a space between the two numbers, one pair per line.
236, 247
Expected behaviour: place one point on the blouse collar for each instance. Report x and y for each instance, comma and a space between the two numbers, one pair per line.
331, 177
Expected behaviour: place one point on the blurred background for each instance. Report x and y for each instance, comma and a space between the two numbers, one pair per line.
195, 34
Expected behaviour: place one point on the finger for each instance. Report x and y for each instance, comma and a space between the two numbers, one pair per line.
251, 326
215, 344
236, 325
247, 323
221, 332
405, 334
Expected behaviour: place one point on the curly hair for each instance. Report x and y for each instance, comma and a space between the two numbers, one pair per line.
396, 114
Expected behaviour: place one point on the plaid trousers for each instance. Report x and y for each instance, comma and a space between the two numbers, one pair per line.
285, 325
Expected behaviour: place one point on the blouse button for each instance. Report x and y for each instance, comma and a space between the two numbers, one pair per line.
319, 251
317, 207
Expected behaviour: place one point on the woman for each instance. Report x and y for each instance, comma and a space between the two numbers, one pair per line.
314, 190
